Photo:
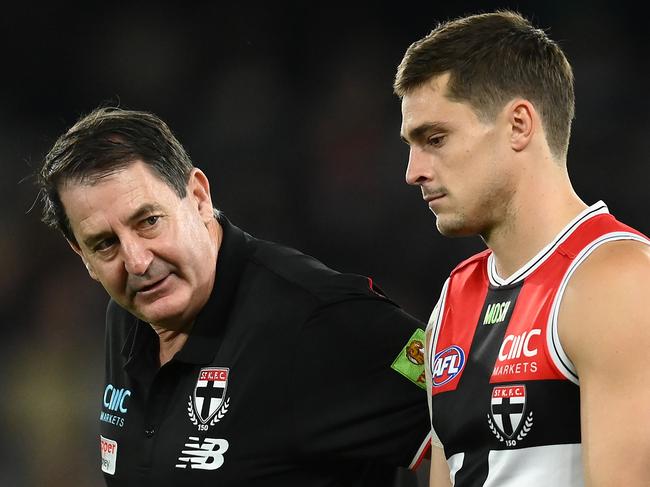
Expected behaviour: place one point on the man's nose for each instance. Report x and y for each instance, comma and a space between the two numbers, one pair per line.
137, 256
419, 169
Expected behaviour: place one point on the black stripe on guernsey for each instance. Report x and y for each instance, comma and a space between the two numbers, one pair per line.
518, 275
475, 391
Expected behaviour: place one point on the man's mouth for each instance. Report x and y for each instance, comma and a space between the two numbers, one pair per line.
433, 197
151, 286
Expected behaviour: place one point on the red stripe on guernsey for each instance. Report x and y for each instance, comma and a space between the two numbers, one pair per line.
425, 446
524, 353
592, 229
454, 344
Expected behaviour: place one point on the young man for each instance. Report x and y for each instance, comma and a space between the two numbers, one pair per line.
231, 361
537, 352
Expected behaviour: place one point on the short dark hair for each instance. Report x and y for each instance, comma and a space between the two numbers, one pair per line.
492, 58
105, 141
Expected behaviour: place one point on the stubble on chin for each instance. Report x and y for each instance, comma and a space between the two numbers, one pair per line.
452, 225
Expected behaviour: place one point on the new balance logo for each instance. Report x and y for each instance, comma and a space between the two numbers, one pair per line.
203, 456
496, 313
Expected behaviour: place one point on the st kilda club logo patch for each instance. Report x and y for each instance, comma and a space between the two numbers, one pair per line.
208, 403
507, 413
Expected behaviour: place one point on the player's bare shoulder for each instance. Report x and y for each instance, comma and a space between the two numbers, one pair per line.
606, 301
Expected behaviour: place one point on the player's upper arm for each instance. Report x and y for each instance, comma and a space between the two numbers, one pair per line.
439, 473
604, 326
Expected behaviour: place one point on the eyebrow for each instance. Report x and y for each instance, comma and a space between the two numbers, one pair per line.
145, 209
142, 211
416, 133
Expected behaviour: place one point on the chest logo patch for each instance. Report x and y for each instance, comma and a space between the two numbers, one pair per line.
116, 401
205, 455
208, 403
410, 361
507, 412
108, 449
447, 364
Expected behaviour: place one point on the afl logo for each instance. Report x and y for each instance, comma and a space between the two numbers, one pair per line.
447, 364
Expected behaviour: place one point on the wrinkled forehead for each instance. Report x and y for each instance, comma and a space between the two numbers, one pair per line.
113, 197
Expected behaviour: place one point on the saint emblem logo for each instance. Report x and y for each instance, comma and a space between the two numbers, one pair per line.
208, 403
508, 407
508, 404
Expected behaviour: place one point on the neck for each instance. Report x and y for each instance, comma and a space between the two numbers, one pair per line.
542, 206
170, 342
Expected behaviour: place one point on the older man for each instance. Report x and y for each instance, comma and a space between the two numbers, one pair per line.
231, 361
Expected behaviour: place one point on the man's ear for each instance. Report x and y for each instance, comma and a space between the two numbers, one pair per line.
522, 119
77, 250
198, 187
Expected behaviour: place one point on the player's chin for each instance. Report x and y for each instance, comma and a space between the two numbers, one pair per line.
452, 226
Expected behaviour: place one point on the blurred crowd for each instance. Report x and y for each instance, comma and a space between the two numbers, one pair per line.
289, 110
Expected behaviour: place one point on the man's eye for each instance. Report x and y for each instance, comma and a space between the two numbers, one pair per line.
151, 220
104, 245
435, 140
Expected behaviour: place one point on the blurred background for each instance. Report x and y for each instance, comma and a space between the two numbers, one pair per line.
288, 108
